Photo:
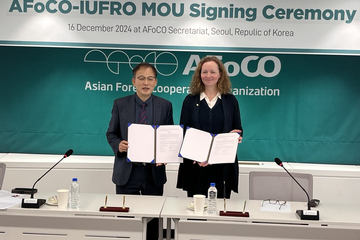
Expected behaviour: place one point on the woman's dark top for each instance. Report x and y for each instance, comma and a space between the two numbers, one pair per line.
223, 117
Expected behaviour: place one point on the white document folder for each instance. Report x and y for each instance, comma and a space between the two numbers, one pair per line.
202, 146
154, 143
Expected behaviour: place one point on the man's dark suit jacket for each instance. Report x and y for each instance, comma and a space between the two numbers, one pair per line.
123, 112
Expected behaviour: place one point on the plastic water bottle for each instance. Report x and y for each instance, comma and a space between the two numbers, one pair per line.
74, 194
212, 198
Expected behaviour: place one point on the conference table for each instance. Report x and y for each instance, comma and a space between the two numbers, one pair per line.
87, 222
337, 222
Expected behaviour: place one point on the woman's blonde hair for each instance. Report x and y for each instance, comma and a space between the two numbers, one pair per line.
223, 84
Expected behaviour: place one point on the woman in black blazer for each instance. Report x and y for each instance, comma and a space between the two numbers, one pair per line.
210, 107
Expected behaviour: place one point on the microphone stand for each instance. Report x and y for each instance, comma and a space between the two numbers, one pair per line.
32, 189
303, 214
299, 186
37, 203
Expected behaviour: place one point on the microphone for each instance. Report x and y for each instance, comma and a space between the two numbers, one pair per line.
303, 214
37, 203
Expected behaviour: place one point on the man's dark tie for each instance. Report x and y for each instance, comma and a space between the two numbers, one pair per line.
142, 114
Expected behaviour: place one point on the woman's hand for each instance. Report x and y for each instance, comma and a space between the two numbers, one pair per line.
201, 164
239, 132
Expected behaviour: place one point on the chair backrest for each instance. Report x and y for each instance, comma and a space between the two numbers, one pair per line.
280, 186
2, 173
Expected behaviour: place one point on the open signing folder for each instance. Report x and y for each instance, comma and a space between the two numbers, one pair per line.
154, 143
202, 146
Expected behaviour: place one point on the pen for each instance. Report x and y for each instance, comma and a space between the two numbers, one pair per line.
244, 206
124, 202
224, 199
105, 201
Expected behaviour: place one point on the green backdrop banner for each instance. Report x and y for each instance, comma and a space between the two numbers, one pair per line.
300, 108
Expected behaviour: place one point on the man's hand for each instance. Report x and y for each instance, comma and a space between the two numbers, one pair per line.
159, 164
123, 146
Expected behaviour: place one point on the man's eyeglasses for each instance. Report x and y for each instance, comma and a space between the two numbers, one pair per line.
272, 201
142, 78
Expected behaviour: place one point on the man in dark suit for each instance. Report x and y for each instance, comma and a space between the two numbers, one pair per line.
138, 178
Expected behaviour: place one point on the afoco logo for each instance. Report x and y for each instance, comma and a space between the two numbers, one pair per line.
244, 67
167, 63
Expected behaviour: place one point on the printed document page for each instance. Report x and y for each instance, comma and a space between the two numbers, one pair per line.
141, 139
224, 148
8, 199
196, 145
168, 143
